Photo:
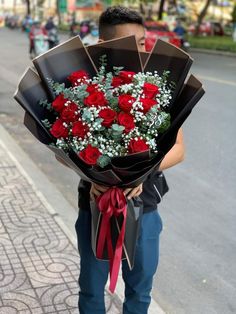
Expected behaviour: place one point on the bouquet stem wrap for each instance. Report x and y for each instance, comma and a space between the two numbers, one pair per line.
111, 203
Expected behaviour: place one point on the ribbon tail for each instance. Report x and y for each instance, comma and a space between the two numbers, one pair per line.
102, 236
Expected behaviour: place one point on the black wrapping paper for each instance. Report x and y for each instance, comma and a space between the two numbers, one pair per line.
133, 221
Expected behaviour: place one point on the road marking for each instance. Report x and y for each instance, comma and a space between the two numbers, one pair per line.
212, 79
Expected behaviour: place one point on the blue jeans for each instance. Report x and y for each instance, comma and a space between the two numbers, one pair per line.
138, 281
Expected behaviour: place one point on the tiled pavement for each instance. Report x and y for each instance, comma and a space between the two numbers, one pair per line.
39, 265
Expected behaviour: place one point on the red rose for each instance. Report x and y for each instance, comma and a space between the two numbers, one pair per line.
59, 102
96, 99
126, 120
126, 76
79, 129
116, 81
147, 104
126, 102
108, 115
92, 88
90, 155
69, 114
150, 90
78, 77
136, 146
58, 130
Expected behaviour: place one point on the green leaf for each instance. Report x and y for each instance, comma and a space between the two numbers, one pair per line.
45, 104
46, 123
103, 161
117, 70
163, 122
87, 116
117, 128
98, 124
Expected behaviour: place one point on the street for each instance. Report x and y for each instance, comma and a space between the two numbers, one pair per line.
196, 271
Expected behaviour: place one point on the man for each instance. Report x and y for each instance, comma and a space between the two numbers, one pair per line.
51, 29
92, 37
117, 22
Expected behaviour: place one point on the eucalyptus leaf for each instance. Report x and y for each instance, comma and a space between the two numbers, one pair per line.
103, 161
45, 104
163, 122
46, 123
117, 128
87, 116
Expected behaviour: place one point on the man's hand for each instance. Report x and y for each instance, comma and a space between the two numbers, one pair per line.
129, 193
96, 190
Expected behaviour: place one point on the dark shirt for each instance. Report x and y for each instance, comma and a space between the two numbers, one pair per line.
153, 189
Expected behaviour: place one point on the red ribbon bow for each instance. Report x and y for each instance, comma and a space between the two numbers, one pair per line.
111, 203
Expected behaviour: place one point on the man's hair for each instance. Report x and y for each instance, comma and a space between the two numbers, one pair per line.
116, 15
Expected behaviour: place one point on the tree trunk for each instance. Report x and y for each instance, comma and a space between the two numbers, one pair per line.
201, 16
58, 12
161, 8
28, 9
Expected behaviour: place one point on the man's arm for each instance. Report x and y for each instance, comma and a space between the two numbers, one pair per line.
176, 154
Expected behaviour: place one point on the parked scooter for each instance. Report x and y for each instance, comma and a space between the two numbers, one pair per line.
38, 40
41, 44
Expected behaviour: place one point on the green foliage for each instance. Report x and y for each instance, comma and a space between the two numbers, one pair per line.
103, 161
46, 123
87, 116
98, 125
221, 43
163, 122
45, 104
234, 14
80, 93
117, 70
116, 131
64, 27
57, 88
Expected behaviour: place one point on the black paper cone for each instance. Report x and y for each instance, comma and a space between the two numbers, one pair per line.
144, 58
122, 52
58, 63
165, 56
28, 94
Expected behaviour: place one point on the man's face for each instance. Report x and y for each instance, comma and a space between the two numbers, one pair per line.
130, 29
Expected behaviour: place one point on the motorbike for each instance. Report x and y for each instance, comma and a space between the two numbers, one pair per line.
41, 44
185, 45
53, 39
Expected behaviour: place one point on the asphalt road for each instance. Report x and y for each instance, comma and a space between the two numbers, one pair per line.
198, 245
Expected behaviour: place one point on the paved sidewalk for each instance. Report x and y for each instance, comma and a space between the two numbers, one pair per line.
39, 261
39, 264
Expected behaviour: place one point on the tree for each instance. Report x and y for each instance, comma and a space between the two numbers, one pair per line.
201, 16
28, 8
161, 9
234, 14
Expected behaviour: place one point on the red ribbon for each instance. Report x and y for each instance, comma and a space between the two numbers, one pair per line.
111, 203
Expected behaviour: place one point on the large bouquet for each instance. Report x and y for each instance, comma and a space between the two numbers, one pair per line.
109, 115
111, 122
